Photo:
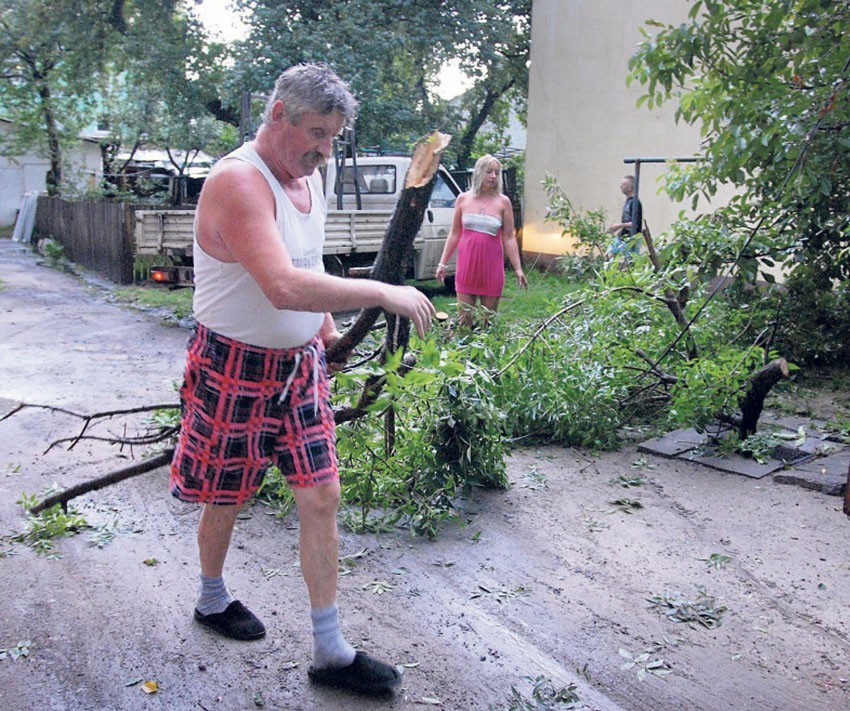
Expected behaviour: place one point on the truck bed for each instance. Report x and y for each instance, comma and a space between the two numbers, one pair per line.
169, 232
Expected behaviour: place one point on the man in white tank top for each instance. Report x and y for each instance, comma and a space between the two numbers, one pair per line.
256, 378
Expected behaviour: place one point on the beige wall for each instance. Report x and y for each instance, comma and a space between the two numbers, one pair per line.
27, 173
583, 120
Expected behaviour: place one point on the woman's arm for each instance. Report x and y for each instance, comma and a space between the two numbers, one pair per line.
454, 237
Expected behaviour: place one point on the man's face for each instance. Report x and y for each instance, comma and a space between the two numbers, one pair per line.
307, 144
626, 187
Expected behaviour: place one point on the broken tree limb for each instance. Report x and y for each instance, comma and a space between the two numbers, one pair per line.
391, 263
63, 497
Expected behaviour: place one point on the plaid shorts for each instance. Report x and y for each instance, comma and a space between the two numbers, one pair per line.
245, 406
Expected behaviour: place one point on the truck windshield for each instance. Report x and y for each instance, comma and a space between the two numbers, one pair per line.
443, 195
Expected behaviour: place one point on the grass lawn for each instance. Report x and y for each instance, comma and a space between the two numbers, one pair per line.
545, 295
176, 301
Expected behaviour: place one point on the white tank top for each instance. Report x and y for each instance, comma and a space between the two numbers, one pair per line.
229, 301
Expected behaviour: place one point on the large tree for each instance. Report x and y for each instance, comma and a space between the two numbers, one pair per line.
50, 53
768, 81
138, 67
392, 52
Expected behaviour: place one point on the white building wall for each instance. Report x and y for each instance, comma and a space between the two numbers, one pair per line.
583, 120
28, 172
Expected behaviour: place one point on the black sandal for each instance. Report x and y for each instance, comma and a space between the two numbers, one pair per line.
365, 675
236, 622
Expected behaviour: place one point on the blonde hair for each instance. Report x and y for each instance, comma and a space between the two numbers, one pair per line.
478, 171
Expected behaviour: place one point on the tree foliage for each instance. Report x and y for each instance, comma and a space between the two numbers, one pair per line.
391, 53
50, 53
768, 82
142, 68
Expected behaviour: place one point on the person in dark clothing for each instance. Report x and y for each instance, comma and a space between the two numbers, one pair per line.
625, 243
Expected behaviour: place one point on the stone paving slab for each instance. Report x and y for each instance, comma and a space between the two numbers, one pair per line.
674, 443
827, 484
819, 446
736, 464
825, 474
813, 463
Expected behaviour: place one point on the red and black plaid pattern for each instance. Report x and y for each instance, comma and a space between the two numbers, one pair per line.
234, 423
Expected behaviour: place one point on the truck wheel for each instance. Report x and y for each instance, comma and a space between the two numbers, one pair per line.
335, 266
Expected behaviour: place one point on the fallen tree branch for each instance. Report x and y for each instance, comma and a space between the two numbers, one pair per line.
390, 266
93, 416
63, 497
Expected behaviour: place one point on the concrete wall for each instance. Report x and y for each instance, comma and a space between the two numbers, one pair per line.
583, 120
27, 173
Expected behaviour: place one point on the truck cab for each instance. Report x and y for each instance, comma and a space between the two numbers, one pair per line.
374, 184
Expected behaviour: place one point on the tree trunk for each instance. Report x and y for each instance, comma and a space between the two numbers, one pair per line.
391, 263
752, 403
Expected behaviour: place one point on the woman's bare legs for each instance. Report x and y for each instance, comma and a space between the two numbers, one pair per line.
466, 310
490, 305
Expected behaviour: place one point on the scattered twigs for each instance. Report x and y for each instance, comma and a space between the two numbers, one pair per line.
163, 433
160, 435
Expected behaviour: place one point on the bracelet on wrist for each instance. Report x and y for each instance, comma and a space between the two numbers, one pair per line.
441, 266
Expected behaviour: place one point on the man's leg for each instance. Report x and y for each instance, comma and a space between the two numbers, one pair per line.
216, 607
319, 552
214, 533
335, 662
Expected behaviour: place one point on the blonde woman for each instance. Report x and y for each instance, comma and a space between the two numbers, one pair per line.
482, 233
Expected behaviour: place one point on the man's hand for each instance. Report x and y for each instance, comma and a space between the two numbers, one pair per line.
330, 335
412, 303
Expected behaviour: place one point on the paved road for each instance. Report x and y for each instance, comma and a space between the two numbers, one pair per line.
63, 343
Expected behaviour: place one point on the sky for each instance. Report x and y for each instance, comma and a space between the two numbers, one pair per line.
222, 20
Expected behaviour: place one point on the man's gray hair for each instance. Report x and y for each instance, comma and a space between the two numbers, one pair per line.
480, 169
312, 87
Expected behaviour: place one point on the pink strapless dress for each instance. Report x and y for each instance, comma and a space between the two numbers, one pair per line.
480, 256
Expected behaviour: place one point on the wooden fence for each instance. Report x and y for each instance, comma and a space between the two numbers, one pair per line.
98, 234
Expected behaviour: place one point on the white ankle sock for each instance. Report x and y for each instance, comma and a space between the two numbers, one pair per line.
213, 596
329, 647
